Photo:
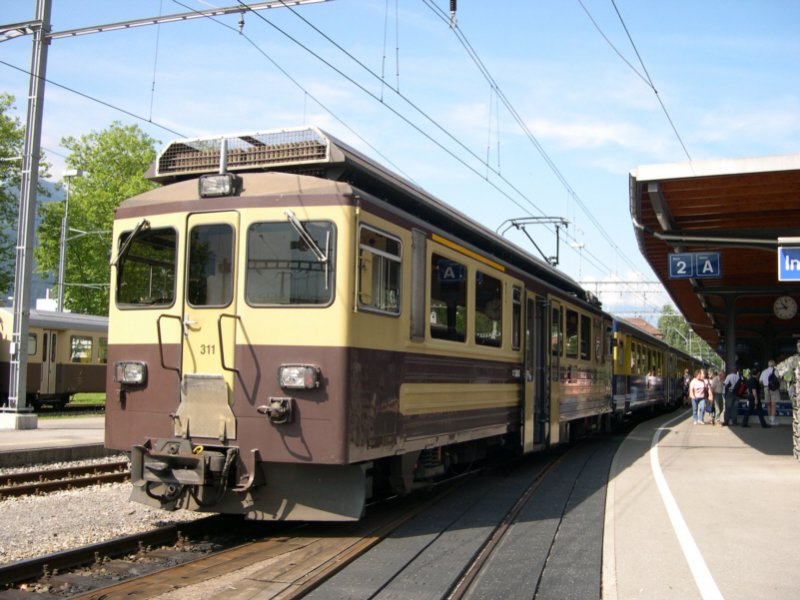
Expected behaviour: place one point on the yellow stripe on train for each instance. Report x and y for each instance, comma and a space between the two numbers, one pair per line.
467, 252
431, 398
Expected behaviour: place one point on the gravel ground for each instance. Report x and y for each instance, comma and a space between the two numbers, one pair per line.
35, 525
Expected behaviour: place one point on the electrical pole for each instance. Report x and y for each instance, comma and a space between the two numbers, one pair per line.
19, 415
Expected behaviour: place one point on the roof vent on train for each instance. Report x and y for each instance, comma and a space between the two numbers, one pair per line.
271, 150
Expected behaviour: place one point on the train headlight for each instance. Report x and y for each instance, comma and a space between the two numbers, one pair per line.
214, 186
298, 377
130, 372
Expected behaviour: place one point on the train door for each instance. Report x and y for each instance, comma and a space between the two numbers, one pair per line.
209, 327
47, 385
555, 323
535, 404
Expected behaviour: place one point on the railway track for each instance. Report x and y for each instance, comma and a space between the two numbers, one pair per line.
535, 527
51, 480
152, 563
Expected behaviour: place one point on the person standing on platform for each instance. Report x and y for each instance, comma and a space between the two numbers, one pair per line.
731, 397
717, 397
687, 379
754, 399
772, 389
698, 392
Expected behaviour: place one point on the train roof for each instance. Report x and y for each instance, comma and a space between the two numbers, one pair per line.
311, 151
61, 320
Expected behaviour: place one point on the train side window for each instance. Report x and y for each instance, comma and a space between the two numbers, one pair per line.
146, 270
555, 331
516, 317
32, 344
448, 318
282, 269
379, 271
488, 310
586, 338
210, 265
572, 334
80, 349
102, 350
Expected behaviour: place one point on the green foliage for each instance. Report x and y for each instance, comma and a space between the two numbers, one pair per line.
12, 135
114, 162
678, 334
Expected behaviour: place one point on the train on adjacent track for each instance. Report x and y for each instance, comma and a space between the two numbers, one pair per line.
294, 329
67, 354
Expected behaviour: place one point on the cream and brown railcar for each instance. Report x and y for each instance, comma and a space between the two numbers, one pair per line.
67, 354
293, 328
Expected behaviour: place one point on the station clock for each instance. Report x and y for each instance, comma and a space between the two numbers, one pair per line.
785, 307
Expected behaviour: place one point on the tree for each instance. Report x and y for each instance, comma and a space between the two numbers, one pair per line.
113, 163
12, 138
677, 333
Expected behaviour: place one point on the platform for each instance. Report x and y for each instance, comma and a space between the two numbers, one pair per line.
696, 511
53, 440
691, 511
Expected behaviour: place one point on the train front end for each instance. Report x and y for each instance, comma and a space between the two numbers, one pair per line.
227, 336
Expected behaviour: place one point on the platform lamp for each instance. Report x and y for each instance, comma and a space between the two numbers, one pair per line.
62, 255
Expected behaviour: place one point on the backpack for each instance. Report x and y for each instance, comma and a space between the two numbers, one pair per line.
773, 382
740, 389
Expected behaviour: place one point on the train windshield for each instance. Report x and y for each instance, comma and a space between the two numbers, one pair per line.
146, 271
283, 269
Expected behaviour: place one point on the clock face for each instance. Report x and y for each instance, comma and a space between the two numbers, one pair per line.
785, 307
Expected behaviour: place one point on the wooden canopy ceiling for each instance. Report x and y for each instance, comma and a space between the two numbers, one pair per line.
740, 209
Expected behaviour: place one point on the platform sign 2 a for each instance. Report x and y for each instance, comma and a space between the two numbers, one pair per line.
681, 265
696, 265
706, 264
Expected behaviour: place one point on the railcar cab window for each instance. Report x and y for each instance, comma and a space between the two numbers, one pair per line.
146, 268
210, 265
448, 317
488, 310
283, 269
379, 270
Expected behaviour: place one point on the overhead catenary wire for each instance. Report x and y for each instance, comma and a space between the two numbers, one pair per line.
155, 59
397, 113
451, 153
652, 85
97, 100
520, 121
413, 105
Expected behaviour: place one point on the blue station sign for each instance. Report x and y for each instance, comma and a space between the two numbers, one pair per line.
788, 263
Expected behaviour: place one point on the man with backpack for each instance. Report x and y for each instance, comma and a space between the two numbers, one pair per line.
754, 404
735, 388
772, 389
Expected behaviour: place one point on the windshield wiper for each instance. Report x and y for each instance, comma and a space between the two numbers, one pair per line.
141, 226
306, 237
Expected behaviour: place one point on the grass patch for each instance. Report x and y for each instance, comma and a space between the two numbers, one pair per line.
86, 399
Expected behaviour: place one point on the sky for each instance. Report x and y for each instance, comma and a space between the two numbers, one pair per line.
524, 108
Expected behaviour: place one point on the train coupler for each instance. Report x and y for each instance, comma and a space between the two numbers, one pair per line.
171, 467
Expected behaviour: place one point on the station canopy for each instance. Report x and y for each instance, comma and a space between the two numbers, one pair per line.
711, 231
